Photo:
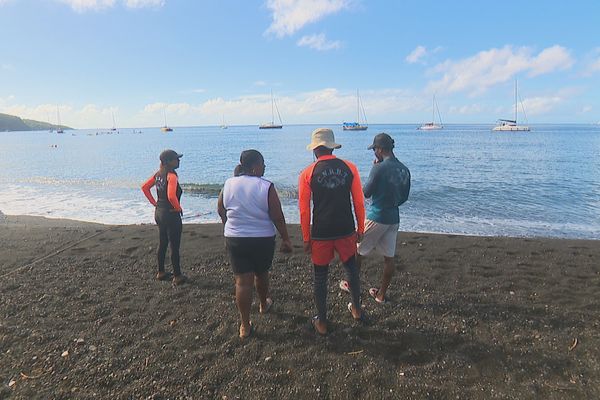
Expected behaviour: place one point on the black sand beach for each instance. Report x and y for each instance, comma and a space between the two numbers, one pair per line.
471, 318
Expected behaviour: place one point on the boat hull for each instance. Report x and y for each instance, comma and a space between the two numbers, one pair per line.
355, 128
511, 128
166, 129
430, 128
270, 127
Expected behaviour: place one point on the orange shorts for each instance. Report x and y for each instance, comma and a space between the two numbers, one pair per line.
322, 250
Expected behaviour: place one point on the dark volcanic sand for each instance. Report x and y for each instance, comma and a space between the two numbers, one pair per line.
472, 317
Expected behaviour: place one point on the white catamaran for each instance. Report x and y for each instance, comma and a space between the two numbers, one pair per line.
509, 124
432, 126
272, 124
357, 126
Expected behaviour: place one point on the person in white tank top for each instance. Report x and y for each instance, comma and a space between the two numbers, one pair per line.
251, 211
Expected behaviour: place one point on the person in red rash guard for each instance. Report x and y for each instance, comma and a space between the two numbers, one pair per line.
167, 213
335, 188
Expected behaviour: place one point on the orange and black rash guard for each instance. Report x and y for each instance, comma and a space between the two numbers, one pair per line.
330, 182
168, 191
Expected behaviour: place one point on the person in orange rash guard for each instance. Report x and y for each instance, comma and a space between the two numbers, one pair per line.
334, 186
167, 213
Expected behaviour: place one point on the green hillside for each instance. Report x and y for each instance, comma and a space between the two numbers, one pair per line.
10, 123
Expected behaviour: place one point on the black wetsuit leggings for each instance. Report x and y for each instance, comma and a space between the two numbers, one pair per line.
169, 227
320, 286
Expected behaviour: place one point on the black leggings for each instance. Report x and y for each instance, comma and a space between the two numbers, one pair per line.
320, 286
169, 228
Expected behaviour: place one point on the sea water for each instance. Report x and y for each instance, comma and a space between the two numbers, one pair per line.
466, 179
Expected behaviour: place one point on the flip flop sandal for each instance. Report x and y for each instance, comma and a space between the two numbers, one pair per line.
373, 293
268, 306
344, 286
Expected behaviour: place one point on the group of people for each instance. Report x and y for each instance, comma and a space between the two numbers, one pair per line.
251, 212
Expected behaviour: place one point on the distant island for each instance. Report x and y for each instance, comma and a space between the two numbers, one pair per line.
9, 123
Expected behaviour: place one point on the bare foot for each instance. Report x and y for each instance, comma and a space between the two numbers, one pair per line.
246, 330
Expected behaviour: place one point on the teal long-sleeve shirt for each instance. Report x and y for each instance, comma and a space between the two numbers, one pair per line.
388, 187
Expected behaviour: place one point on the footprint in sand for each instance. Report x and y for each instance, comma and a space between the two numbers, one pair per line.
130, 250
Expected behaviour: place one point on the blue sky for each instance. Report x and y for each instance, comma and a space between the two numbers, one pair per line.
199, 60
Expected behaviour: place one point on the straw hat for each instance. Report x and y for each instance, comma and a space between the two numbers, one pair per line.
323, 137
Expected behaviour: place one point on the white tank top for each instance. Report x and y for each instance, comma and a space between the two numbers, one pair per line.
246, 199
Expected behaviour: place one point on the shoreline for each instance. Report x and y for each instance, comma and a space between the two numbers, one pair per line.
60, 221
473, 317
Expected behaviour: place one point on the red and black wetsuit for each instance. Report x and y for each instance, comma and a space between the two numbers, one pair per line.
167, 216
330, 182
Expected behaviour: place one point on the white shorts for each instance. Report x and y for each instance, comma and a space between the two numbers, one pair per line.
379, 237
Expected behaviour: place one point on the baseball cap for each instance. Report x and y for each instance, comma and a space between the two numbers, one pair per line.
382, 141
169, 155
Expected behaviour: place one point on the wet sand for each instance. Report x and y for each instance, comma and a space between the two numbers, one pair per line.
470, 317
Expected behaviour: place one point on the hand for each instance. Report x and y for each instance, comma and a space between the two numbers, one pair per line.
307, 247
359, 237
286, 246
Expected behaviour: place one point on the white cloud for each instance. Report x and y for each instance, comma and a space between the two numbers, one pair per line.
260, 83
469, 109
555, 58
319, 42
591, 63
98, 5
89, 5
144, 3
89, 115
586, 109
326, 105
541, 105
418, 53
478, 73
289, 16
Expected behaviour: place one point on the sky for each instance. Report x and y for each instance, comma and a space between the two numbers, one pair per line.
201, 61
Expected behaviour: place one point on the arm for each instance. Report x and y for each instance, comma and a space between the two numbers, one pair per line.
146, 189
370, 186
304, 194
221, 208
358, 200
172, 192
276, 214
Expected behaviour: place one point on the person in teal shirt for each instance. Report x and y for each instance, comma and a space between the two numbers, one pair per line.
388, 187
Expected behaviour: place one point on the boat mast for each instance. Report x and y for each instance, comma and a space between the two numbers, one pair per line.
357, 107
272, 110
433, 111
516, 101
165, 114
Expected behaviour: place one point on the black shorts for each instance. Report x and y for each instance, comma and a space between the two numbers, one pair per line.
250, 254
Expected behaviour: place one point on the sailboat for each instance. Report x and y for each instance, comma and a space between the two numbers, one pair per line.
357, 126
166, 127
223, 124
509, 124
272, 124
59, 128
432, 126
114, 127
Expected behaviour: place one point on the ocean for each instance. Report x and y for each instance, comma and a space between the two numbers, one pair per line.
465, 178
